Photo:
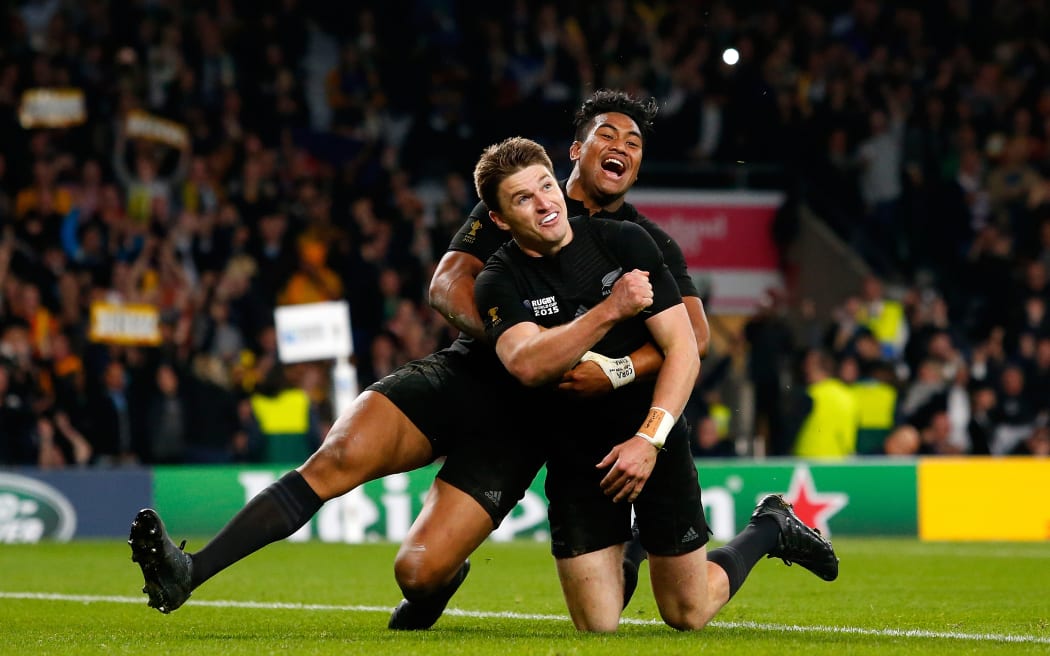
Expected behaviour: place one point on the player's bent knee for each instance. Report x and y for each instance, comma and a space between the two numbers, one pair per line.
332, 472
684, 618
418, 573
597, 626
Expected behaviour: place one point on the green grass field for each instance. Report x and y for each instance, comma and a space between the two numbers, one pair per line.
892, 597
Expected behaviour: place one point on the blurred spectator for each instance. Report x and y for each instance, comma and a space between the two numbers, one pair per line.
708, 443
1014, 416
6, 193
1010, 183
875, 395
285, 427
928, 386
71, 448
829, 428
1036, 444
1037, 376
958, 403
884, 317
200, 192
980, 428
39, 319
929, 434
903, 441
710, 420
313, 281
217, 335
17, 421
384, 357
935, 434
146, 183
43, 196
215, 433
835, 178
113, 420
166, 422
881, 154
770, 342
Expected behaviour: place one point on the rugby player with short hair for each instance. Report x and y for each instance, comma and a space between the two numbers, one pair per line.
562, 287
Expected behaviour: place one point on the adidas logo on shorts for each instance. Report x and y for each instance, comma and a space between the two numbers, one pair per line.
494, 496
690, 535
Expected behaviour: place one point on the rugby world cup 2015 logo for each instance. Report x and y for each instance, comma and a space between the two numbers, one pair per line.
31, 510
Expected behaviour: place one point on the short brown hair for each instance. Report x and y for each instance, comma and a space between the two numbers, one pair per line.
500, 161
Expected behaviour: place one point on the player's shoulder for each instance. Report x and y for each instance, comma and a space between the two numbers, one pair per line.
630, 213
502, 258
616, 230
480, 212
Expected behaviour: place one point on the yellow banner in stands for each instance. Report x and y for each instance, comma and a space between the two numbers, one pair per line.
131, 324
143, 125
51, 108
984, 498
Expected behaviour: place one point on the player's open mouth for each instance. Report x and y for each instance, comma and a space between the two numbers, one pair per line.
613, 165
549, 219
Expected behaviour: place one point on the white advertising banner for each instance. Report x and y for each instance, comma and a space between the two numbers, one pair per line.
313, 331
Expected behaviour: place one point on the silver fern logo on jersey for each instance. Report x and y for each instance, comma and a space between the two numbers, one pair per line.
609, 279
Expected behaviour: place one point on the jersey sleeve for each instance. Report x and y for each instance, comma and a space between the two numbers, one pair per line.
479, 235
498, 300
673, 256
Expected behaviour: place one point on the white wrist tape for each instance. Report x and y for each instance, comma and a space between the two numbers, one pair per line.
658, 423
619, 370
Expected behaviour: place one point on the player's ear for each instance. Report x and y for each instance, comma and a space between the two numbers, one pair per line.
574, 150
500, 223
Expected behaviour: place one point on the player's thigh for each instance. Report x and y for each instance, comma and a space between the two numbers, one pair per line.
492, 461
582, 517
371, 439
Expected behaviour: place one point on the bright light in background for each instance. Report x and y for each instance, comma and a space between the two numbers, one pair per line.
730, 56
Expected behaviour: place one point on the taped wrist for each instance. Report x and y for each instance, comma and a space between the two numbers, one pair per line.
657, 425
620, 371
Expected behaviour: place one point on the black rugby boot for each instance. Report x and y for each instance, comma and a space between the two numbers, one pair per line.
165, 567
798, 543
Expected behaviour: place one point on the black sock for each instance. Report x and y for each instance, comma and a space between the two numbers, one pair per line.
741, 553
635, 553
273, 514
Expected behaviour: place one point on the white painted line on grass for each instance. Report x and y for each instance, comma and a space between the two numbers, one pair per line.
752, 626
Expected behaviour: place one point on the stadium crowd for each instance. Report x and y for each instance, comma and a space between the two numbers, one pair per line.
328, 156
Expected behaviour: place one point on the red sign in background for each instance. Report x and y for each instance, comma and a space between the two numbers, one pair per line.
726, 237
716, 230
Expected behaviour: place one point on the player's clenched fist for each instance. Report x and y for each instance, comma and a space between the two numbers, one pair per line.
632, 293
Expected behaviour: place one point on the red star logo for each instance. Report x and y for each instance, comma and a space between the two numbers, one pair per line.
812, 507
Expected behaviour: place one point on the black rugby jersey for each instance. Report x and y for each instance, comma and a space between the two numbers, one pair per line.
514, 287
